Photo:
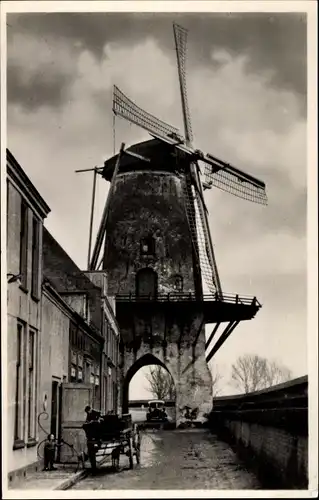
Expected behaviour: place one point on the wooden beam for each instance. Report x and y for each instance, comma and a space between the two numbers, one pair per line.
135, 155
92, 215
228, 330
103, 223
212, 335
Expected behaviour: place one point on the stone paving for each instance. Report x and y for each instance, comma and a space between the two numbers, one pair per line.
61, 478
189, 459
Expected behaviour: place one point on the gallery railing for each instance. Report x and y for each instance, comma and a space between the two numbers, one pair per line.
177, 297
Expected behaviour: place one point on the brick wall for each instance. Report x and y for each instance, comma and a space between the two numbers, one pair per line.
270, 429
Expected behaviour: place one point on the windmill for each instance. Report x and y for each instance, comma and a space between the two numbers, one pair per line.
216, 172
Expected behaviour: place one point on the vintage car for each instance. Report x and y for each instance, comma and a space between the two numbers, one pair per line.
156, 411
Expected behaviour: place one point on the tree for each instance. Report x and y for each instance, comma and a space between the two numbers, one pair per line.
252, 373
216, 378
161, 383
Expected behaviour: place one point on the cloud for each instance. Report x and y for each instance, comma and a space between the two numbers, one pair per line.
39, 71
276, 41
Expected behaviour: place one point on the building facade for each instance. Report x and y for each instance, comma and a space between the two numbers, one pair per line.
111, 361
62, 333
70, 367
26, 211
85, 293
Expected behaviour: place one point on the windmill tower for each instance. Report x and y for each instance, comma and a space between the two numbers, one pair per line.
158, 254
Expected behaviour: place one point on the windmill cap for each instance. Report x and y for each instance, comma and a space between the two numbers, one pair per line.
162, 157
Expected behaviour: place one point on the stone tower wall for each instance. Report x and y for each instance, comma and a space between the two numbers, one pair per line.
148, 204
151, 204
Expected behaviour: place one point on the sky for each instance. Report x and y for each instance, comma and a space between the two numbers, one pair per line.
247, 85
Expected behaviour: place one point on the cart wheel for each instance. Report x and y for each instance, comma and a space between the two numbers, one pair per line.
130, 452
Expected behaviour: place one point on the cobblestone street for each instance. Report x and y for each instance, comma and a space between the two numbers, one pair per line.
191, 459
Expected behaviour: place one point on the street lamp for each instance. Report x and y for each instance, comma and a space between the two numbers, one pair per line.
12, 278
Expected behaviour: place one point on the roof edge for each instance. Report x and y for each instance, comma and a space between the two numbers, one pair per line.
16, 172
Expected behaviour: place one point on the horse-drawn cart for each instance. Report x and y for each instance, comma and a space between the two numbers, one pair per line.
112, 435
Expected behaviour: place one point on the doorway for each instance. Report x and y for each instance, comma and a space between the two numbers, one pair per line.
146, 282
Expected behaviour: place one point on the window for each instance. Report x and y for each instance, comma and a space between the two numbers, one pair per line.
18, 435
73, 332
26, 387
73, 373
114, 394
80, 368
109, 341
115, 349
178, 283
35, 258
148, 246
86, 308
91, 367
73, 367
32, 384
105, 393
97, 376
23, 243
112, 346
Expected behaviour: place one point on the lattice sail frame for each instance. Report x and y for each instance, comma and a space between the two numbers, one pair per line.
231, 183
201, 232
180, 35
199, 239
124, 107
220, 174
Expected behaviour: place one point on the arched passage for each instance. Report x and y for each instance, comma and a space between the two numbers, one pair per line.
147, 359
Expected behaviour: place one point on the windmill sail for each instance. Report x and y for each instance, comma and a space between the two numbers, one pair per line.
217, 173
124, 107
232, 180
199, 237
180, 35
208, 260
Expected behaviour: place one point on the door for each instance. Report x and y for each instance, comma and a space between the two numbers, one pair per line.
75, 397
146, 282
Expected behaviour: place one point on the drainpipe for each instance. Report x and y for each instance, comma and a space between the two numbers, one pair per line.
103, 409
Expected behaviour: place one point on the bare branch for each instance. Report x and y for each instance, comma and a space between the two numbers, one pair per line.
161, 383
216, 378
252, 373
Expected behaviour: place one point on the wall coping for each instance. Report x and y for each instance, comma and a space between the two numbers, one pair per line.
275, 388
